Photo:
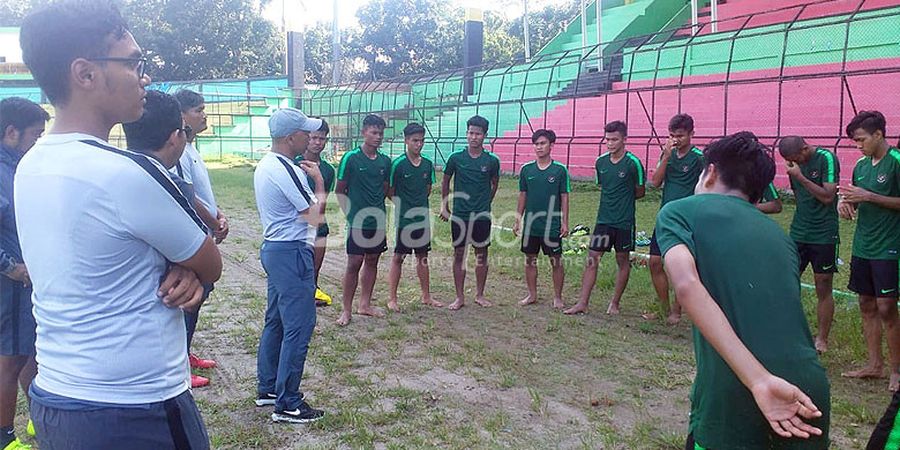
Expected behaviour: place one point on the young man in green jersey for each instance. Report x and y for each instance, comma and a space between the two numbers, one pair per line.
411, 178
814, 176
759, 383
770, 203
621, 179
873, 200
544, 207
678, 170
362, 184
476, 176
317, 141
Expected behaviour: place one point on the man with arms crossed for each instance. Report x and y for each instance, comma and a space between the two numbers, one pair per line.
873, 200
544, 206
317, 141
100, 228
814, 177
22, 122
411, 178
476, 175
759, 383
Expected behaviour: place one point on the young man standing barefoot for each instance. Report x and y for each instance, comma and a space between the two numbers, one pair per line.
476, 176
814, 176
411, 178
621, 179
873, 200
544, 207
361, 188
317, 141
678, 170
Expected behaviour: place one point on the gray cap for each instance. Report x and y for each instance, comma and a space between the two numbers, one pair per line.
287, 121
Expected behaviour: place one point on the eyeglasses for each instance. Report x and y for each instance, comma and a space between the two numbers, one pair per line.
140, 64
187, 130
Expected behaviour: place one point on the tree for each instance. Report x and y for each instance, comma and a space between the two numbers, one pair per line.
545, 24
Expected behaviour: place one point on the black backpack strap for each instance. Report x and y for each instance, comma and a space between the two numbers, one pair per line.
162, 179
179, 170
297, 183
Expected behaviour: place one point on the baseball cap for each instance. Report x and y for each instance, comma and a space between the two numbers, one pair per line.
287, 121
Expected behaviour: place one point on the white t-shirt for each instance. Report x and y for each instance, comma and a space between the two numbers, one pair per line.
280, 202
96, 232
194, 171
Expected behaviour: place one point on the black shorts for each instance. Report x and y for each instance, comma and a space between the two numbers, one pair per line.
654, 246
366, 242
17, 326
550, 245
823, 257
414, 239
322, 230
606, 238
476, 233
874, 277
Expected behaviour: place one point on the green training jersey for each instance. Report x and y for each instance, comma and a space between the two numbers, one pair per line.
328, 179
815, 222
411, 185
682, 175
543, 190
472, 183
618, 182
751, 269
770, 194
365, 178
877, 228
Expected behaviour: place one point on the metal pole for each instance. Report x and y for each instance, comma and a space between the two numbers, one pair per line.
599, 11
526, 32
583, 29
694, 19
335, 47
714, 7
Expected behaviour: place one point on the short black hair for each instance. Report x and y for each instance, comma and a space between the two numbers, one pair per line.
478, 121
549, 134
188, 99
162, 116
790, 146
21, 113
871, 121
743, 163
373, 121
54, 36
413, 128
324, 127
616, 126
681, 122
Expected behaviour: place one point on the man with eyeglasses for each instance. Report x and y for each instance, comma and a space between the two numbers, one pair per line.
192, 169
113, 249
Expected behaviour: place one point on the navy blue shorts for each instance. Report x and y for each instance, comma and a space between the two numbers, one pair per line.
174, 424
17, 327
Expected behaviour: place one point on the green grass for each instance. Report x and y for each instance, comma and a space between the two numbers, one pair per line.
504, 377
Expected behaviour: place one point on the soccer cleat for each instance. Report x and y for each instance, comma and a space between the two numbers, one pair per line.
303, 414
198, 363
268, 399
16, 444
198, 381
30, 429
322, 299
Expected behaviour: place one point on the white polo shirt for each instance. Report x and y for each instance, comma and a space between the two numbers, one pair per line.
96, 232
194, 171
280, 202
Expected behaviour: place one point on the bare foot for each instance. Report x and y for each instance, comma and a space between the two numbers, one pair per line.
457, 304
821, 345
613, 309
430, 301
393, 306
648, 316
483, 302
894, 384
673, 319
558, 303
526, 301
577, 309
344, 319
865, 372
370, 311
